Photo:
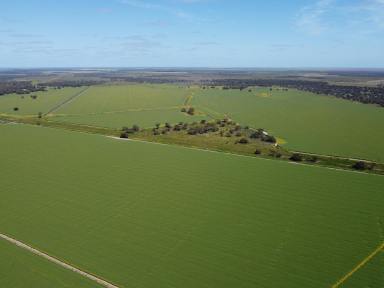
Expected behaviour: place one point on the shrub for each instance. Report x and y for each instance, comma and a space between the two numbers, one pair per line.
360, 165
135, 128
183, 110
16, 109
296, 157
258, 152
177, 127
243, 141
268, 138
313, 159
124, 135
255, 135
192, 131
191, 111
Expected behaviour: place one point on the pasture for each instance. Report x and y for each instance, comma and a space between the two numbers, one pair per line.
149, 215
306, 121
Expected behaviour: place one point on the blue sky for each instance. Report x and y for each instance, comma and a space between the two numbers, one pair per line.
192, 33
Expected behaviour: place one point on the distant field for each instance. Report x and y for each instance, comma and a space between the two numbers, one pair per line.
117, 98
20, 269
43, 103
147, 215
307, 122
145, 118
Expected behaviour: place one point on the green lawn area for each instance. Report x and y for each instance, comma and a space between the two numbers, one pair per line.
308, 122
20, 268
149, 215
43, 103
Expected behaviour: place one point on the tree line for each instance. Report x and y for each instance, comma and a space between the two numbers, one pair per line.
363, 94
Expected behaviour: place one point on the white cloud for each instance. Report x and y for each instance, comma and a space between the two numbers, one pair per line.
310, 18
336, 15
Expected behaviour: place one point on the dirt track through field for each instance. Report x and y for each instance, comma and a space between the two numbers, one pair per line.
70, 99
58, 262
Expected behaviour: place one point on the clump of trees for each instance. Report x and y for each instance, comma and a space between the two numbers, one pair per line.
363, 94
130, 130
19, 87
363, 165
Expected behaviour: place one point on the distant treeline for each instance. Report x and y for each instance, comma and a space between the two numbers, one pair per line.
371, 95
70, 83
18, 87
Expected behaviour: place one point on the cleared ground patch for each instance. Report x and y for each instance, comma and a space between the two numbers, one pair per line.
147, 215
308, 122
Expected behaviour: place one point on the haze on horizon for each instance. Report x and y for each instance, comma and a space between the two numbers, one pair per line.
192, 33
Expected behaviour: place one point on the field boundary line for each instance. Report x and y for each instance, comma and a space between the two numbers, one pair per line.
120, 111
358, 266
58, 262
235, 154
70, 99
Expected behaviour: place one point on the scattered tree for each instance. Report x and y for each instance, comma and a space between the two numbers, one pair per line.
124, 135
243, 141
360, 165
296, 157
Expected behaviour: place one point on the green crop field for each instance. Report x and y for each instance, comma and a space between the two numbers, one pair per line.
149, 215
145, 118
124, 105
306, 121
43, 103
20, 269
118, 98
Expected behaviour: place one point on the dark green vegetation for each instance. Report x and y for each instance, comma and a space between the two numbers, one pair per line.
147, 215
20, 269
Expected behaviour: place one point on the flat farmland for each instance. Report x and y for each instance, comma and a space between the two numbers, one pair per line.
45, 101
117, 98
124, 105
149, 215
306, 121
144, 118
